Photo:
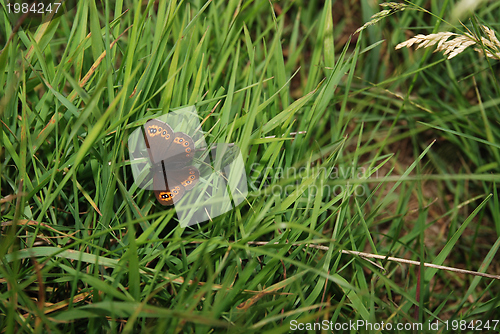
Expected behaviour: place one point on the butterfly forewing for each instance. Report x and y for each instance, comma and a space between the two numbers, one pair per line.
164, 144
159, 138
181, 151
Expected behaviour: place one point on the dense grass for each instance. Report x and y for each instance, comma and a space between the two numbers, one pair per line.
401, 158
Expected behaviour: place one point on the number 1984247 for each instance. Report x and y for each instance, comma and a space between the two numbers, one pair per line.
34, 8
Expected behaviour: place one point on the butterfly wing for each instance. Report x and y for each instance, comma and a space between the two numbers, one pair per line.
170, 188
164, 194
175, 148
181, 151
187, 177
170, 150
159, 138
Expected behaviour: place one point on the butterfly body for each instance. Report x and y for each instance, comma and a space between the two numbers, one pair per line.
169, 153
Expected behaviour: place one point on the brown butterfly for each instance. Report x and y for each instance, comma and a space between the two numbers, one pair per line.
169, 153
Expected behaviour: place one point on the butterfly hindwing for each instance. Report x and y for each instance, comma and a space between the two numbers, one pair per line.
187, 177
170, 188
167, 194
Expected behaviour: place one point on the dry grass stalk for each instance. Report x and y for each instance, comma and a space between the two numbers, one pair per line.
387, 258
489, 45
